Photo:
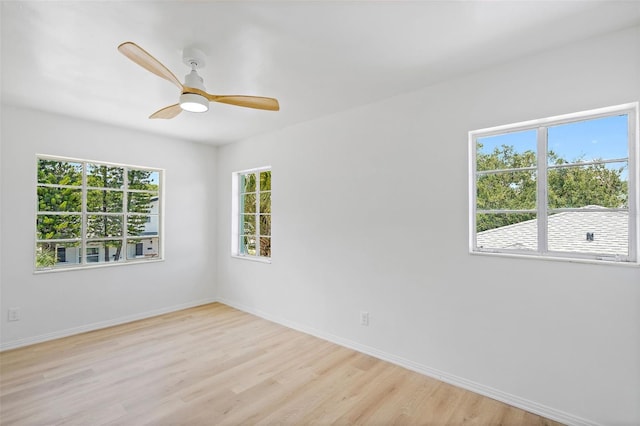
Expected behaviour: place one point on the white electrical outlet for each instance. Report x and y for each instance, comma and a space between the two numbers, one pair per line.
14, 314
364, 318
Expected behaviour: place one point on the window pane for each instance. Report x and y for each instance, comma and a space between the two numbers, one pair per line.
507, 151
100, 176
59, 172
518, 231
141, 225
104, 201
508, 190
265, 180
138, 248
142, 202
248, 245
265, 224
588, 140
602, 185
59, 199
265, 246
247, 224
144, 179
50, 255
101, 226
52, 227
248, 182
104, 251
265, 202
248, 203
594, 231
93, 254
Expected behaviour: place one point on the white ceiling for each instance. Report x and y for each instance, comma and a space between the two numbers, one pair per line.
315, 57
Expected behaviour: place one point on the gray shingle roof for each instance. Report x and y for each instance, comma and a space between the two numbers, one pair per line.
567, 232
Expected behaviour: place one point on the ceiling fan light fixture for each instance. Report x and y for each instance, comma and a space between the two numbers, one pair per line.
193, 102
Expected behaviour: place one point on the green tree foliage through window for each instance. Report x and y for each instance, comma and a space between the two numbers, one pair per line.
594, 184
571, 186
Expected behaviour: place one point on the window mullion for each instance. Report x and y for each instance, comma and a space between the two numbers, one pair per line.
83, 222
125, 211
542, 191
258, 232
241, 215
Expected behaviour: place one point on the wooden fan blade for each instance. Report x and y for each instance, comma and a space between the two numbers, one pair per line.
257, 102
141, 57
167, 112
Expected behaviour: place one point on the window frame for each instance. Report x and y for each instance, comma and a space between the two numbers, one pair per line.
84, 242
236, 193
542, 209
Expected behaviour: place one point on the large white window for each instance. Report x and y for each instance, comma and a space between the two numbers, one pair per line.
251, 212
564, 187
91, 213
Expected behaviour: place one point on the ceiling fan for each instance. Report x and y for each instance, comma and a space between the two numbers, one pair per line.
193, 95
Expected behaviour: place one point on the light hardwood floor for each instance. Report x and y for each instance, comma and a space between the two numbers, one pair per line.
215, 365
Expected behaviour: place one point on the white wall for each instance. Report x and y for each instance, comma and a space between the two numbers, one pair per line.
59, 303
370, 212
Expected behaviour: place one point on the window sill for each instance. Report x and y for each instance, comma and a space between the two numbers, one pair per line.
252, 258
557, 259
102, 265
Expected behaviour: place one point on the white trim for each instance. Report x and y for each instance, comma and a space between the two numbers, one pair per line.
507, 398
85, 160
471, 150
254, 170
140, 261
555, 120
634, 176
18, 343
602, 260
260, 259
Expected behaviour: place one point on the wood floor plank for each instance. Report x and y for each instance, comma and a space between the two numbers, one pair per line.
216, 365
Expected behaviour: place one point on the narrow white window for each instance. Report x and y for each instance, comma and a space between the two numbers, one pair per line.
564, 187
251, 224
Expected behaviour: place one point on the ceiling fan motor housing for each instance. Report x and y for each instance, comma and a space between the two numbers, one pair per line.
192, 101
194, 80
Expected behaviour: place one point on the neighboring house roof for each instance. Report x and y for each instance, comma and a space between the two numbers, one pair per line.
567, 232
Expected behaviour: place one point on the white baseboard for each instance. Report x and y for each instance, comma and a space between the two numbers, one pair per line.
507, 398
13, 344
